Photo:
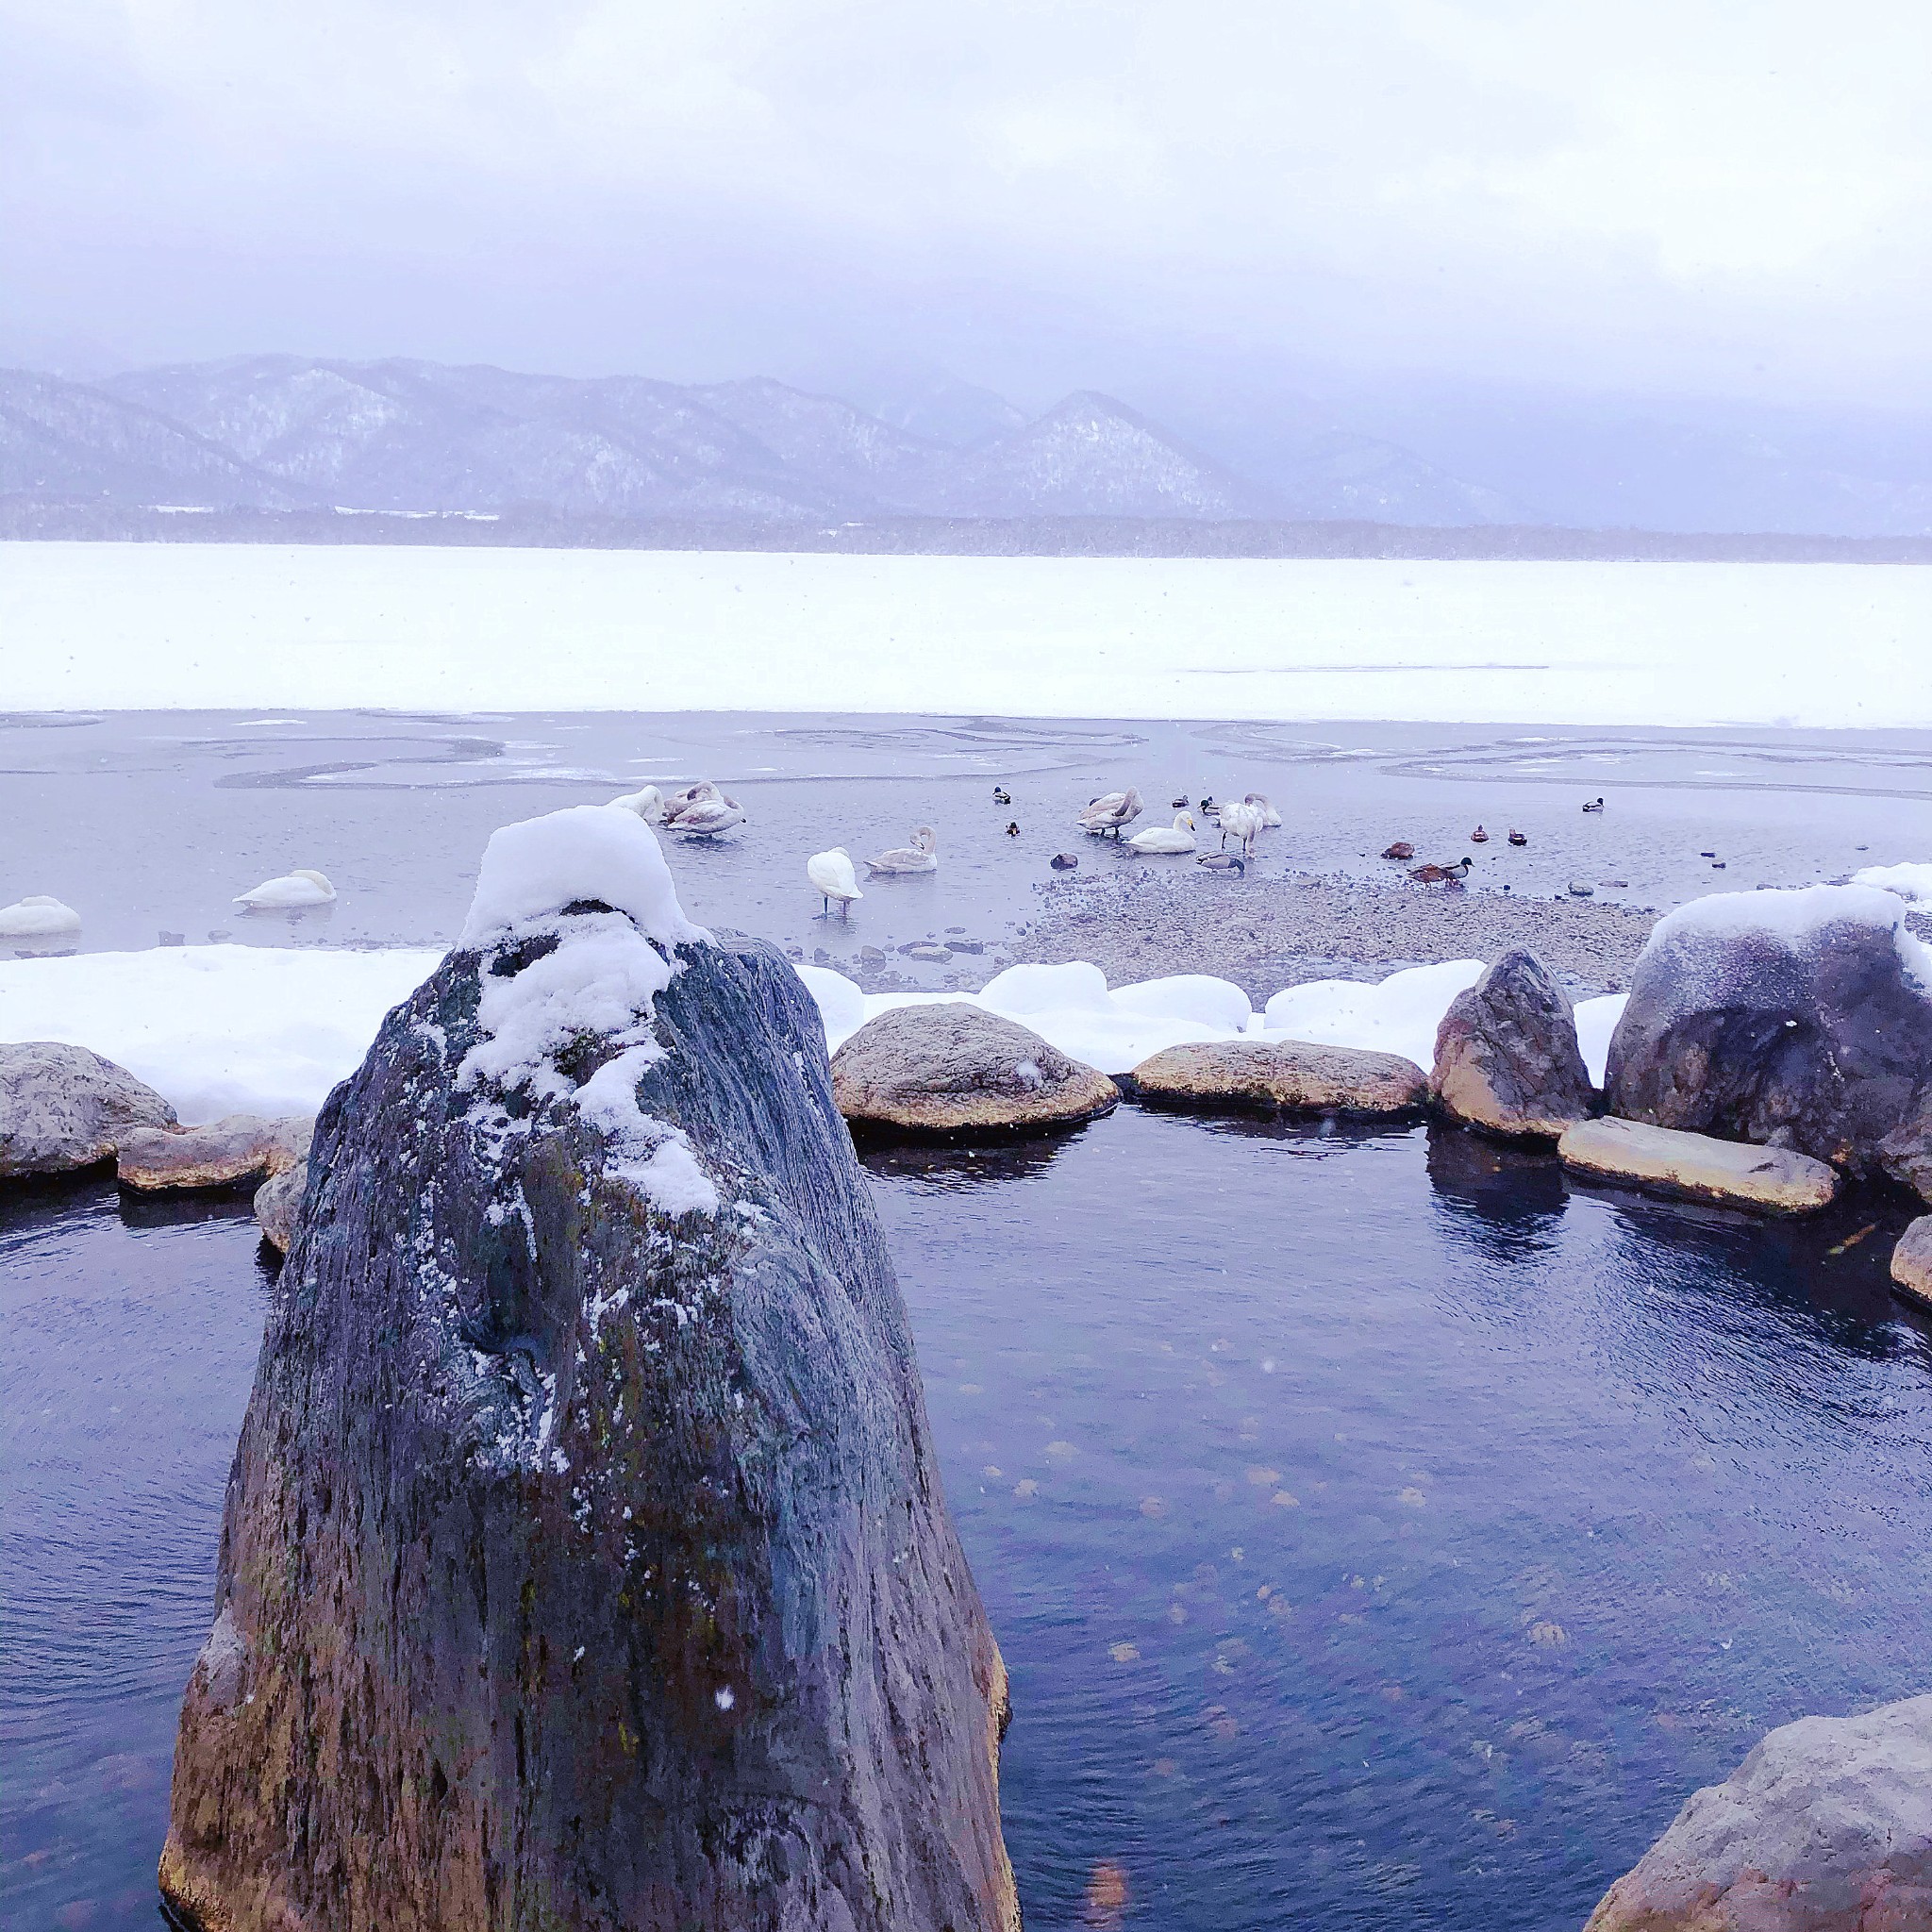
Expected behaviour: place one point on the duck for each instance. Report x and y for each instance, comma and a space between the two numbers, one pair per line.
1224, 861
648, 804
921, 856
707, 814
1245, 821
1012, 828
38, 917
1208, 806
1517, 838
1401, 849
1594, 805
1442, 875
1270, 819
288, 893
1174, 838
832, 873
1064, 862
1478, 837
1001, 795
1179, 803
1109, 812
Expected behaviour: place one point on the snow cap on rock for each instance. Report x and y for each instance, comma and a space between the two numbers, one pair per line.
532, 870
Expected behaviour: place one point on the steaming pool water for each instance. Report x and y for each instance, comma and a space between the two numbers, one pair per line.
1378, 1529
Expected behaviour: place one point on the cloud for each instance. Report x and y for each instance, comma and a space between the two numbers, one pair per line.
1667, 192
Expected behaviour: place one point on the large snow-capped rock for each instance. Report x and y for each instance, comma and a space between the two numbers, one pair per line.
1799, 1018
584, 1560
1826, 1826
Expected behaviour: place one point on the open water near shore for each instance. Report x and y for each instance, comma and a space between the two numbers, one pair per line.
1378, 1529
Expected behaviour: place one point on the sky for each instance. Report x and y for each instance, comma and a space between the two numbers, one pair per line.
1703, 197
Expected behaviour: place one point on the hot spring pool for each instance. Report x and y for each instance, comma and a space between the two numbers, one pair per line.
1378, 1530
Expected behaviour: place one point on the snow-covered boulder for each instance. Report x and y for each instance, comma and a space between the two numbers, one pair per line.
1826, 1826
62, 1107
1283, 1075
950, 1068
584, 1559
1507, 1058
1796, 1018
222, 1154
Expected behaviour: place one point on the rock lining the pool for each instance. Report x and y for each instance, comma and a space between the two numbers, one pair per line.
1291, 1075
221, 1154
1695, 1167
1826, 1826
63, 1108
584, 1559
1507, 1058
951, 1068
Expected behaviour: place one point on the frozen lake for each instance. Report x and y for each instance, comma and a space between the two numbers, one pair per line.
132, 626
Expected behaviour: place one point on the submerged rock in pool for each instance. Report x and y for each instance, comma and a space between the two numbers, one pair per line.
238, 1147
1507, 1058
1697, 1168
62, 1107
1795, 1019
1826, 1826
953, 1067
1295, 1075
585, 1564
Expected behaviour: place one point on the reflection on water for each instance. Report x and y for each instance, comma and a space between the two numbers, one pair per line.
1378, 1531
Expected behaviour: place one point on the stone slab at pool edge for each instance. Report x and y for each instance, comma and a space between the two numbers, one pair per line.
1698, 1168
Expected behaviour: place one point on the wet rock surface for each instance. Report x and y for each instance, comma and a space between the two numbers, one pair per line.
62, 1107
1826, 1826
1288, 1075
584, 1562
1911, 1261
1817, 1040
951, 1068
1697, 1168
220, 1154
1507, 1058
278, 1203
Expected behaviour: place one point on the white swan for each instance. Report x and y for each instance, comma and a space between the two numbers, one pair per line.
832, 873
1111, 811
1244, 821
677, 802
1177, 838
295, 888
921, 856
1270, 819
708, 812
648, 804
37, 917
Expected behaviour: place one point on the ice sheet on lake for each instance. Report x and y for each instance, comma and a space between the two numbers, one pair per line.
266, 626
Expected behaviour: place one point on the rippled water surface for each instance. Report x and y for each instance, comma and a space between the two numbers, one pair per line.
1379, 1531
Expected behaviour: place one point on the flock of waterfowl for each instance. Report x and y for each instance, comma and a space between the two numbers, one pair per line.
41, 917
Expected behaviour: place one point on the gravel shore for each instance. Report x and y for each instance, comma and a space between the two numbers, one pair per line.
1268, 933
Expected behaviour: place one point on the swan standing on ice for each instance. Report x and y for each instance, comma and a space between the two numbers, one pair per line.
1176, 838
1244, 821
1110, 812
289, 894
832, 874
1270, 819
37, 917
648, 804
709, 813
923, 854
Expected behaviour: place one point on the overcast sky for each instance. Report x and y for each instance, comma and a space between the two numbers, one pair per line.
1722, 196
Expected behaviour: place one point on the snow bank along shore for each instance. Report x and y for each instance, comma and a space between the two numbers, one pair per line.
136, 627
269, 1030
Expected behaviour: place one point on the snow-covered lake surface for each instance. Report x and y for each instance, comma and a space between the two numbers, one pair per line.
151, 625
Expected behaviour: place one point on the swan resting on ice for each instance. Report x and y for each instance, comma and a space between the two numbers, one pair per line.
705, 810
1175, 839
37, 917
832, 874
921, 856
648, 804
289, 892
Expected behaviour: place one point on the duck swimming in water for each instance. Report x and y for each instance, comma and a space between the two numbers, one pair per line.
1064, 862
1594, 805
1478, 837
1001, 795
1401, 849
